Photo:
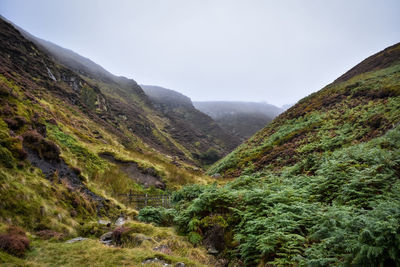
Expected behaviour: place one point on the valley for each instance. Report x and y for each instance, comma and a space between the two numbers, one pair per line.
250, 184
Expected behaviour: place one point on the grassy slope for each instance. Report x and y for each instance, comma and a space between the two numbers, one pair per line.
342, 114
79, 123
91, 252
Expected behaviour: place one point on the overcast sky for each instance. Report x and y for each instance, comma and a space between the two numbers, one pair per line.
247, 50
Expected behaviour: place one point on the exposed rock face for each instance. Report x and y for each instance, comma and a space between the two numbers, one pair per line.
147, 177
45, 155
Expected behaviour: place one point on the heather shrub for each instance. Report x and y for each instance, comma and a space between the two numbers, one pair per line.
14, 241
50, 234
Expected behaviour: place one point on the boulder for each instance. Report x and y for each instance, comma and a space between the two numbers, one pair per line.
106, 239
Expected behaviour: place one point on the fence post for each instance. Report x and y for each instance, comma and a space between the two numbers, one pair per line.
145, 201
130, 196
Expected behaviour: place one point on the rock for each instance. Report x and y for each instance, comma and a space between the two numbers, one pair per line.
160, 185
180, 264
76, 239
212, 251
120, 221
106, 239
156, 260
163, 249
104, 222
216, 175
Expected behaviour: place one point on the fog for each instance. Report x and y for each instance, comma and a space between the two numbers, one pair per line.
256, 50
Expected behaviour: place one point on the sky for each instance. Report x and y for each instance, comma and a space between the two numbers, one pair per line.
237, 50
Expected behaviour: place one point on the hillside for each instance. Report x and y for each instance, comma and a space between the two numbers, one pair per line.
319, 186
348, 111
190, 122
69, 149
241, 119
131, 108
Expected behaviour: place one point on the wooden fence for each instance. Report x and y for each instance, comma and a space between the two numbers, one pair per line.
143, 200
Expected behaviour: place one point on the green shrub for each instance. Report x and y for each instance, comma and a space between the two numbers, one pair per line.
188, 193
158, 215
338, 208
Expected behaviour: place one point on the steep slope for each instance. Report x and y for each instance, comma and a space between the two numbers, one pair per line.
66, 157
242, 119
351, 110
132, 108
319, 186
196, 127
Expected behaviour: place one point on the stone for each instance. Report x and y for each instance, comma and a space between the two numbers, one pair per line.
212, 251
156, 260
76, 239
180, 264
163, 249
216, 175
120, 221
106, 239
104, 222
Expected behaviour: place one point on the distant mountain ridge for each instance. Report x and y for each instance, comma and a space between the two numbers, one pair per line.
130, 108
242, 119
217, 109
161, 95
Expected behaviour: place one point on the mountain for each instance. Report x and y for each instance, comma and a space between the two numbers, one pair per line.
190, 122
242, 119
166, 98
360, 105
74, 141
130, 104
318, 186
